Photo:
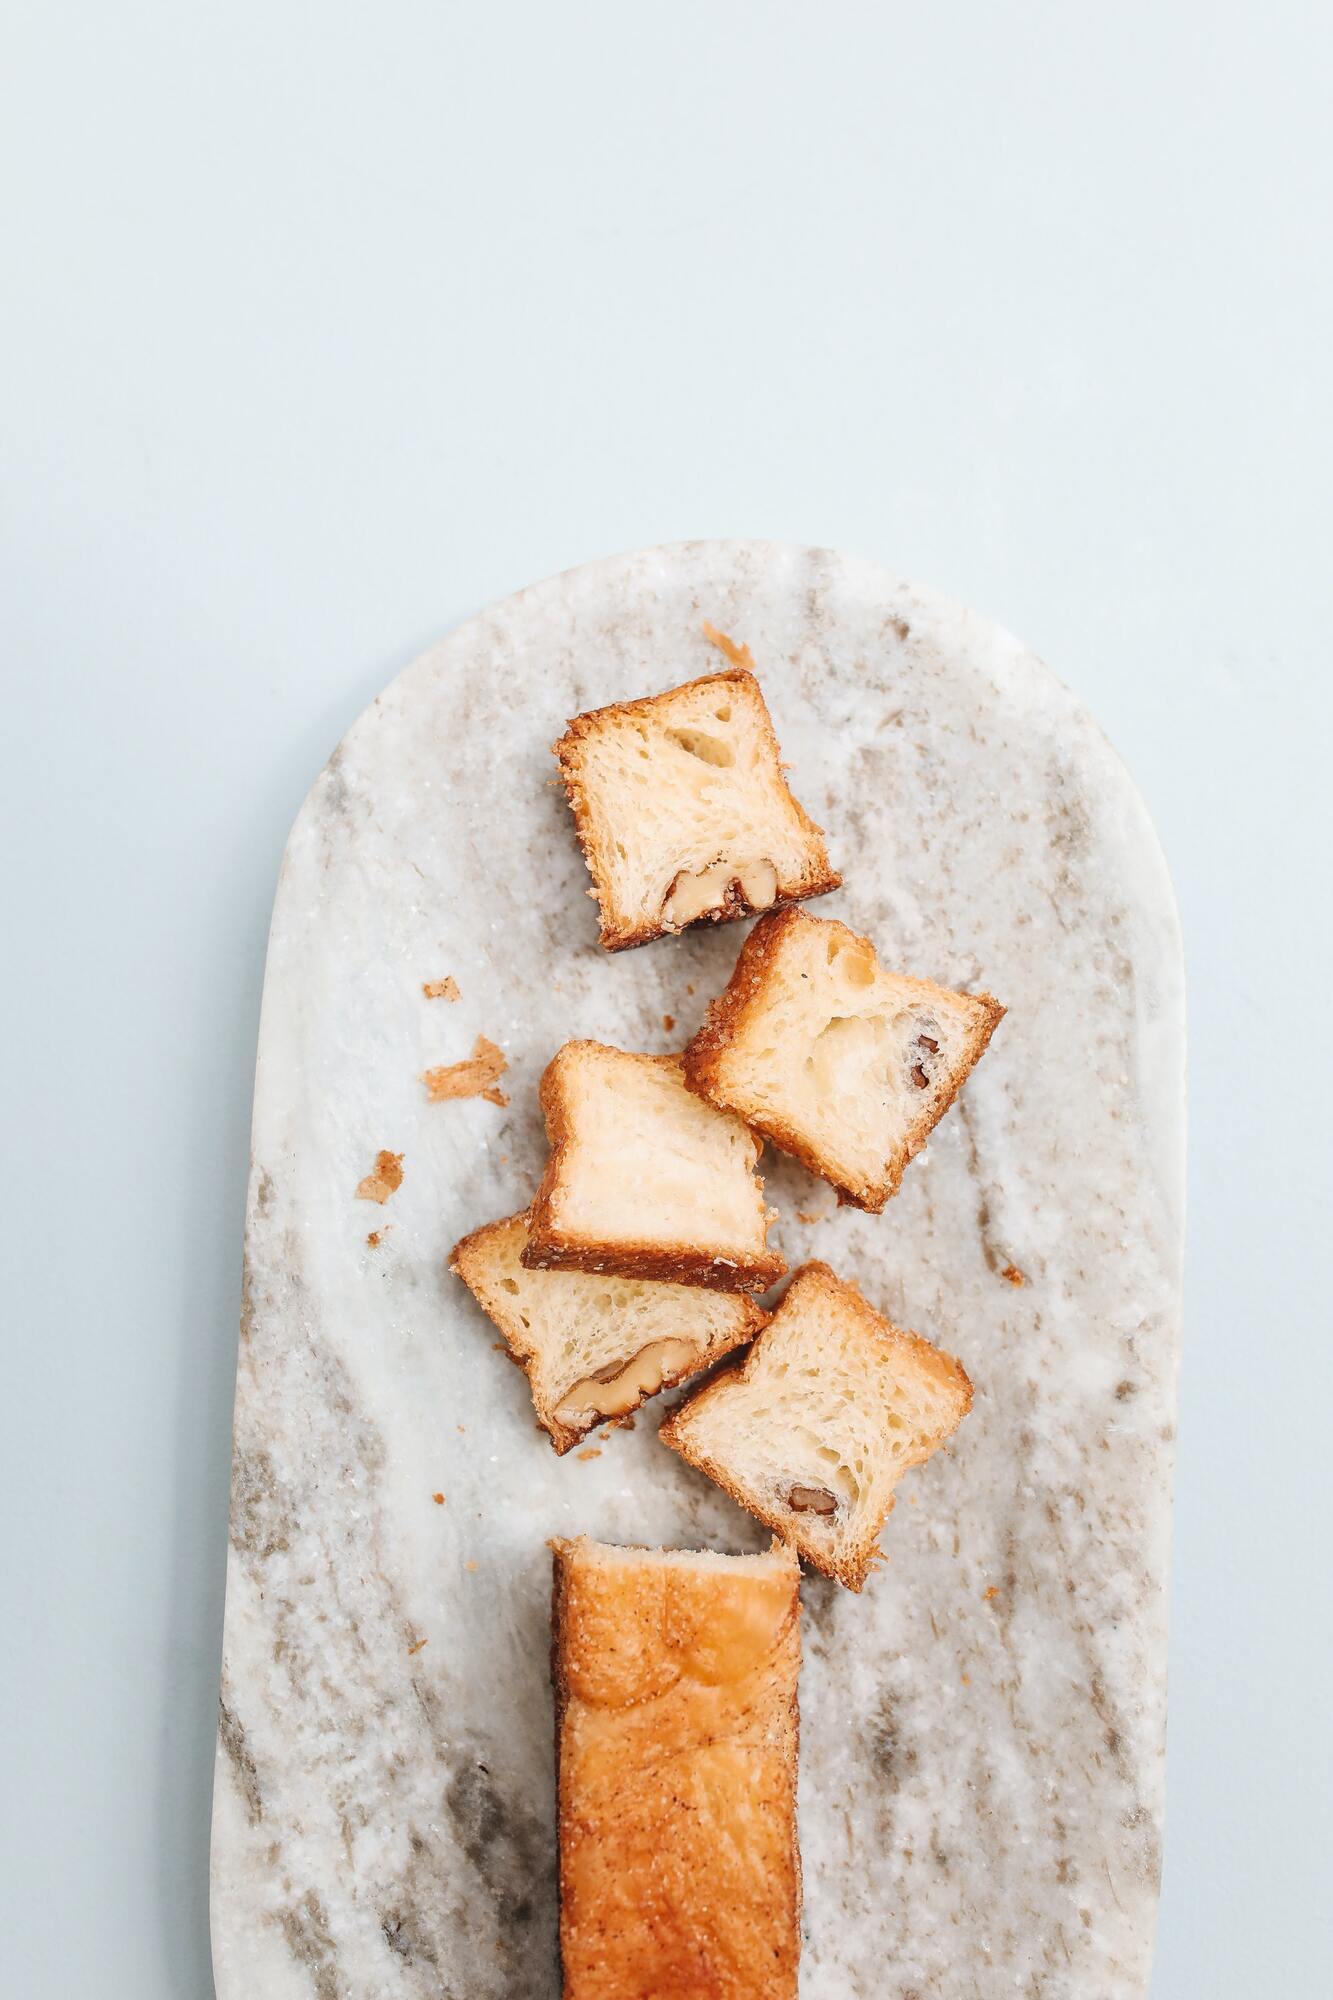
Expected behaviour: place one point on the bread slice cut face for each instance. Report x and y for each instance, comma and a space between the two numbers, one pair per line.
815, 1427
837, 1061
683, 812
595, 1347
646, 1179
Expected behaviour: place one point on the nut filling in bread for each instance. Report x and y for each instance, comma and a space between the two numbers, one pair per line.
812, 1500
623, 1385
725, 888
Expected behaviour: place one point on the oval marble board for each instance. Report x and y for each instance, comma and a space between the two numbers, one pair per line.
982, 1730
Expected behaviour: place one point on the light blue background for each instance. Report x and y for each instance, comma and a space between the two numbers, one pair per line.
324, 325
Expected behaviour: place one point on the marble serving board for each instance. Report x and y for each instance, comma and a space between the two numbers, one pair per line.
982, 1730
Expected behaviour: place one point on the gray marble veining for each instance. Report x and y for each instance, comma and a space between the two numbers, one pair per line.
982, 1731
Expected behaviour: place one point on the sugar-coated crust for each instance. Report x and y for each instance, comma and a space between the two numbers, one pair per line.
551, 1248
818, 878
725, 1024
853, 1567
680, 1869
470, 1260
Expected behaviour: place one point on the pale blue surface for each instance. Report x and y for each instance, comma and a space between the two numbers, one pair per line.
323, 326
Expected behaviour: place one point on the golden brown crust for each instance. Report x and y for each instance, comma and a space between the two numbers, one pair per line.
550, 1248
852, 1568
725, 1023
471, 1259
568, 753
676, 1747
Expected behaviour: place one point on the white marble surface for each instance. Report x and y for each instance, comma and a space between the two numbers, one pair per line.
982, 1731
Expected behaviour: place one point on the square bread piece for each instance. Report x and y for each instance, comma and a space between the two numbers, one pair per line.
683, 813
817, 1425
676, 1727
838, 1062
646, 1179
596, 1347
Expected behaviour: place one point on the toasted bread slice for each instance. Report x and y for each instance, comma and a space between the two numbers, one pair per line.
814, 1429
844, 1065
676, 1727
595, 1348
683, 812
645, 1178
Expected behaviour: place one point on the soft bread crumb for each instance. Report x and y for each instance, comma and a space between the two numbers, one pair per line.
440, 989
740, 656
476, 1076
385, 1180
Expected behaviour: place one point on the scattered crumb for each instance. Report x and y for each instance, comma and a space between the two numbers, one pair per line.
374, 1239
461, 1428
1012, 1273
470, 1566
967, 1680
384, 1181
689, 989
438, 1498
503, 1159
591, 1452
499, 1347
811, 1214
475, 1076
740, 656
993, 1590
627, 1423
417, 1648
440, 989
668, 1022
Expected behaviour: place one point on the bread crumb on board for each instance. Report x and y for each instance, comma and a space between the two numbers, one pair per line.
440, 989
668, 1022
386, 1178
438, 1498
417, 1648
470, 1567
740, 656
591, 1452
476, 1076
1013, 1275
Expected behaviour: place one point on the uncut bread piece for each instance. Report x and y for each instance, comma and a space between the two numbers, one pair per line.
593, 1347
676, 1727
645, 1178
683, 813
815, 1428
837, 1061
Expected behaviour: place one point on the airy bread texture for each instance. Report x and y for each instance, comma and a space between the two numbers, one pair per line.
838, 1062
676, 1727
683, 813
645, 1178
814, 1429
595, 1348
